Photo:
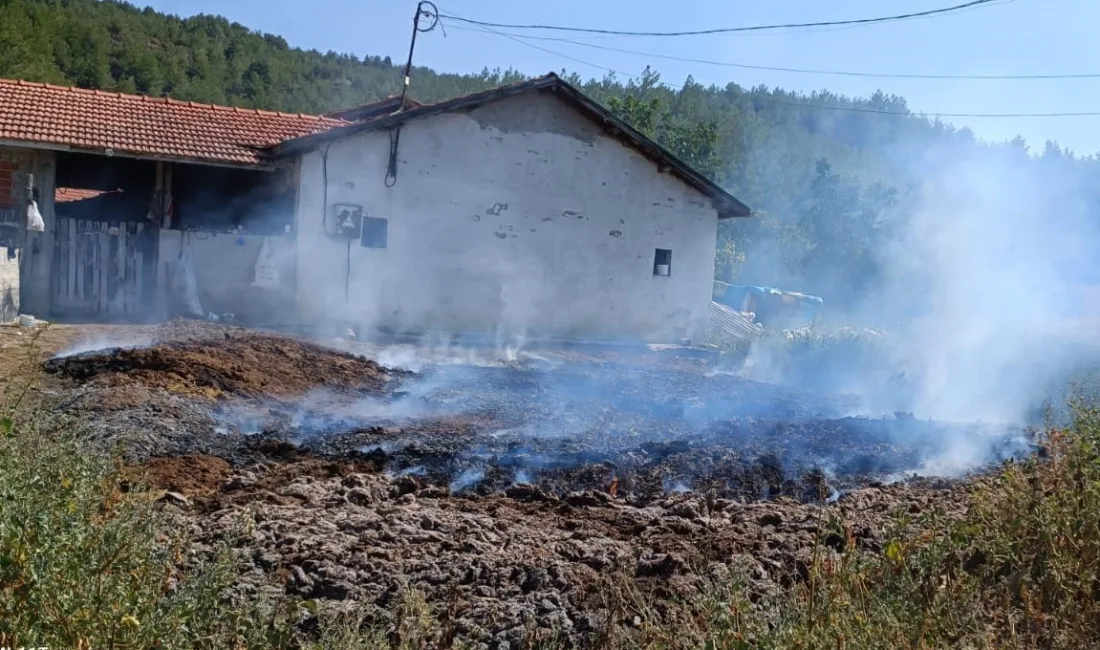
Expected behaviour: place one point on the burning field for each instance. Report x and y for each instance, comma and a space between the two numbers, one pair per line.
520, 490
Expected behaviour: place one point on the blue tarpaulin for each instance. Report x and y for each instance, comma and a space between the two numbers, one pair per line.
772, 306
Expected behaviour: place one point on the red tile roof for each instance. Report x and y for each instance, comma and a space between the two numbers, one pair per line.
74, 194
146, 126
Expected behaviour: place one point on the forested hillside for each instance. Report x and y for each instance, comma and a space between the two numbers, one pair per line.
837, 184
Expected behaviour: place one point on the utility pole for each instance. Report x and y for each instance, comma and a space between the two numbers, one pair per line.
424, 9
421, 12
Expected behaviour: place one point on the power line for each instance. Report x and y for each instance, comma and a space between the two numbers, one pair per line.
775, 100
843, 73
729, 30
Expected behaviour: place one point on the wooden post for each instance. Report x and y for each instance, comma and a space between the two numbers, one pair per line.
154, 276
158, 196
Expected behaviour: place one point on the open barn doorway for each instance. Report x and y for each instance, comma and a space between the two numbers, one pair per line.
105, 257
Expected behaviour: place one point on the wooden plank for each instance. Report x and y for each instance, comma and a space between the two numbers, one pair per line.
87, 288
122, 276
92, 267
133, 247
53, 267
99, 290
81, 248
78, 259
141, 291
74, 292
91, 271
81, 266
136, 276
101, 267
59, 264
139, 281
68, 261
61, 261
106, 270
89, 268
166, 222
72, 261
118, 269
86, 243
107, 253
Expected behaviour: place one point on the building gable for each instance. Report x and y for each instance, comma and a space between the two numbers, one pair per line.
548, 86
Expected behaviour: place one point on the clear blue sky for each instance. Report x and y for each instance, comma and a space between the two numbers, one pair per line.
1012, 37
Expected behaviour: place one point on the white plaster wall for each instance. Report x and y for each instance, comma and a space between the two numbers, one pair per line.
14, 219
224, 266
9, 285
518, 218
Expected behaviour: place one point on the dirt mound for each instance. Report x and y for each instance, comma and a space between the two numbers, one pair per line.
206, 479
523, 557
194, 475
240, 364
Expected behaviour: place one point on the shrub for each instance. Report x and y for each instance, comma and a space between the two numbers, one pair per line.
85, 564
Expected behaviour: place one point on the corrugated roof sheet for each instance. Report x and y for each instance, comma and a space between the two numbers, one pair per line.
146, 126
733, 322
372, 110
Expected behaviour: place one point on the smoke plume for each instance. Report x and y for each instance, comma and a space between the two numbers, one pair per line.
973, 284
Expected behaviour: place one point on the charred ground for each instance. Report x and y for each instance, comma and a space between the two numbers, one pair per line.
521, 487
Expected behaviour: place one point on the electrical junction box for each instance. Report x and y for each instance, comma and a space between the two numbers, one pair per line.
347, 220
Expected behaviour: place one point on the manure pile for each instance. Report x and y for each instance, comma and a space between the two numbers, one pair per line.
522, 489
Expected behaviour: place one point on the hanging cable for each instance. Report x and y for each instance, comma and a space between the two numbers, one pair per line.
347, 274
391, 164
745, 66
792, 102
730, 30
324, 220
324, 188
421, 12
424, 9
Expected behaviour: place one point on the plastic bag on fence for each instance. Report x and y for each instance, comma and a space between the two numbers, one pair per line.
185, 288
35, 222
266, 274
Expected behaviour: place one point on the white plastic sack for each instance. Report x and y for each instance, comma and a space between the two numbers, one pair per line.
185, 288
266, 274
35, 223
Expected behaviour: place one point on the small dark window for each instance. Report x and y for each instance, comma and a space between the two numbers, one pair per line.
662, 262
375, 232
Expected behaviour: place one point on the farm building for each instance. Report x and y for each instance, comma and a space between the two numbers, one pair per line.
527, 210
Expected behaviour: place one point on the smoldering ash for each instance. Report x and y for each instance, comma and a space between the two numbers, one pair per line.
658, 427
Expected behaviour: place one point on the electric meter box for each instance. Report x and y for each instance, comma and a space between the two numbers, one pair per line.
347, 220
